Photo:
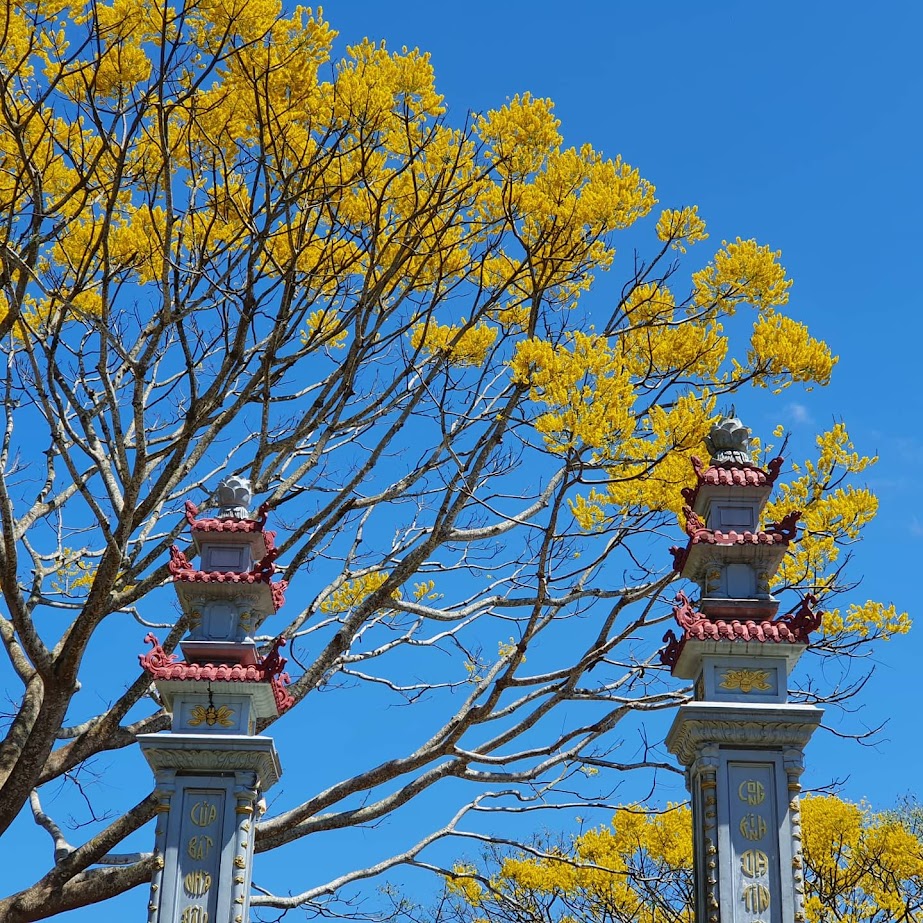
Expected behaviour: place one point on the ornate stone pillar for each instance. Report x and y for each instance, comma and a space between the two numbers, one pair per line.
211, 769
740, 739
740, 759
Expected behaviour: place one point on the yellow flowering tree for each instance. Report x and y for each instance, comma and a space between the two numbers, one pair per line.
222, 252
861, 866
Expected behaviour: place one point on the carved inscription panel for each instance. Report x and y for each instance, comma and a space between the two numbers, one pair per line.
199, 854
754, 838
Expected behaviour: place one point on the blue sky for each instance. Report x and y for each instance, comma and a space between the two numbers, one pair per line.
794, 123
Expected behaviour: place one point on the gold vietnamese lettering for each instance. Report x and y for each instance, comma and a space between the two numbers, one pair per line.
194, 914
203, 813
755, 898
197, 882
751, 791
752, 827
199, 846
754, 863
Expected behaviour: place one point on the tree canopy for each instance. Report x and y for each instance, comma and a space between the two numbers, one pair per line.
220, 253
860, 865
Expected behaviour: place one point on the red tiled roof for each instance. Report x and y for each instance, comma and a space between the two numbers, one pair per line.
792, 628
732, 475
262, 572
778, 533
161, 665
226, 525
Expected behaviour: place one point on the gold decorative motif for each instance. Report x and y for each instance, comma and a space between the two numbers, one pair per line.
755, 898
197, 882
244, 809
751, 791
746, 680
199, 847
223, 715
240, 862
245, 826
752, 827
239, 880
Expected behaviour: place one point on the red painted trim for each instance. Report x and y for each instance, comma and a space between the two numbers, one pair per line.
794, 627
161, 665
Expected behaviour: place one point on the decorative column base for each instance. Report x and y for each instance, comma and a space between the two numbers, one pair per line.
209, 788
742, 767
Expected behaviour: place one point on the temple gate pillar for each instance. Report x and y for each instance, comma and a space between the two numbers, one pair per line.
740, 740
211, 768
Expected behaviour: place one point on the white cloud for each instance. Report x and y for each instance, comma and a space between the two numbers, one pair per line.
798, 413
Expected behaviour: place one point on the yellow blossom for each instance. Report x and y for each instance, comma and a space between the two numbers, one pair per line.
352, 593
323, 327
460, 344
742, 272
681, 227
785, 352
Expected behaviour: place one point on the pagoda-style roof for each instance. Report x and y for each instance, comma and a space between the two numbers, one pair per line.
731, 474
228, 529
225, 524
168, 668
792, 628
779, 534
733, 559
258, 577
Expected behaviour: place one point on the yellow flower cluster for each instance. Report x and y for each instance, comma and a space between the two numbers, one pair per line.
605, 869
649, 470
859, 866
831, 515
426, 589
460, 345
660, 340
76, 575
681, 227
323, 328
463, 883
562, 203
784, 352
353, 592
742, 272
586, 386
869, 619
520, 135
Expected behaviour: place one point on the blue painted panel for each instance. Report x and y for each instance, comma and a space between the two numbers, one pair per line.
753, 828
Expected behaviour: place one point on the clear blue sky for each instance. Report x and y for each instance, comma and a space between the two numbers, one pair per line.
794, 123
